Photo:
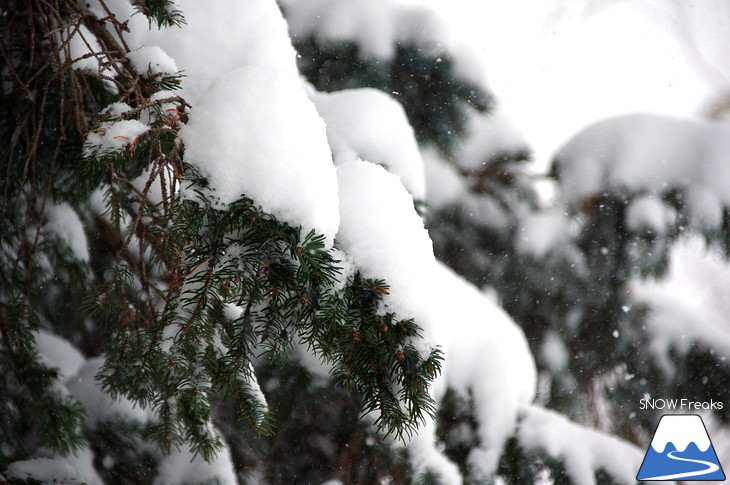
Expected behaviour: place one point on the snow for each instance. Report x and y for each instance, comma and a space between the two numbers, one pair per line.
74, 469
557, 65
98, 405
80, 45
554, 353
112, 136
681, 430
652, 154
384, 237
152, 59
649, 212
444, 184
255, 132
368, 124
258, 394
705, 206
584, 450
250, 33
63, 221
154, 194
541, 231
219, 36
426, 456
690, 305
378, 27
59, 353
180, 467
488, 135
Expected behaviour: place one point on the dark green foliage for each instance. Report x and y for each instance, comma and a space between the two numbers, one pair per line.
520, 466
163, 12
456, 428
320, 438
120, 454
434, 98
187, 346
39, 119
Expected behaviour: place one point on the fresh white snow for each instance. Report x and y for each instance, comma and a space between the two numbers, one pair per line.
690, 305
488, 135
651, 154
368, 124
59, 353
255, 133
182, 467
98, 405
649, 212
152, 59
583, 449
378, 27
63, 221
112, 136
74, 469
219, 36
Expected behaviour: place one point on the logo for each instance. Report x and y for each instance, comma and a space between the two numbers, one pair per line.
680, 450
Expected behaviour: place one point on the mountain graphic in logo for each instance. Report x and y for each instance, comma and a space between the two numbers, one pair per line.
681, 450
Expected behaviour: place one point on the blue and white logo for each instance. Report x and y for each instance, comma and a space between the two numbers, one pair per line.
681, 450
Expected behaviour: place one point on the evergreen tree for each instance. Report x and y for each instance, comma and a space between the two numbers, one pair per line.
181, 301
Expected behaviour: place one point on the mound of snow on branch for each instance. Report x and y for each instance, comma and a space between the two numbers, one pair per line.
484, 350
584, 450
378, 27
653, 154
255, 133
368, 124
690, 305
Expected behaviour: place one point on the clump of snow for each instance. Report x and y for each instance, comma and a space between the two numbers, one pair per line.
652, 154
115, 110
541, 231
112, 136
258, 394
425, 456
484, 350
368, 124
444, 184
152, 59
488, 135
63, 221
181, 467
584, 450
377, 27
98, 405
649, 212
59, 353
82, 45
168, 110
164, 177
250, 33
74, 469
705, 207
690, 304
255, 133
553, 352
383, 235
